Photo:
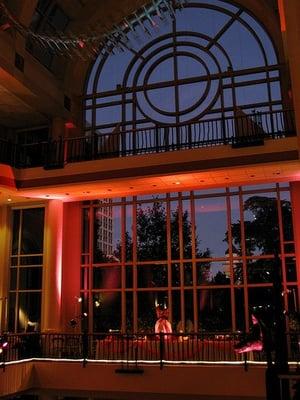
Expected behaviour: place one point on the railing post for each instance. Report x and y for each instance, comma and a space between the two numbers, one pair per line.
85, 348
156, 138
190, 135
161, 349
223, 128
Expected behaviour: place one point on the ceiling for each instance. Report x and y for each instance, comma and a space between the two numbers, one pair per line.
250, 175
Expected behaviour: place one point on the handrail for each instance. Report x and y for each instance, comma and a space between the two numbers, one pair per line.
159, 348
239, 130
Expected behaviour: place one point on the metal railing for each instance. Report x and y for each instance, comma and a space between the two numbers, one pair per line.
136, 348
245, 130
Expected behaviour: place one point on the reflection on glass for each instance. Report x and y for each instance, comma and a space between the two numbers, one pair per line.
175, 246
11, 312
214, 307
107, 312
293, 302
217, 273
107, 278
211, 227
107, 234
260, 298
128, 233
155, 275
29, 309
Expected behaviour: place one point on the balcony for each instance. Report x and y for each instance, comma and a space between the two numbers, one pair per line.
238, 131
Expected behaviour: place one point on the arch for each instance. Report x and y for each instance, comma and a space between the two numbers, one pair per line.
239, 63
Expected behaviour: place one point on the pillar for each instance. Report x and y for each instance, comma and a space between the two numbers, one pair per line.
71, 264
290, 17
58, 128
4, 264
52, 281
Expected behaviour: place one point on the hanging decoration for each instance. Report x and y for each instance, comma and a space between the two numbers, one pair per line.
89, 45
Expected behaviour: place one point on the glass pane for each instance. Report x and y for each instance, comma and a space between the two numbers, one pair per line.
31, 260
107, 234
287, 220
13, 279
175, 246
152, 275
238, 272
261, 224
188, 274
32, 237
175, 274
107, 312
189, 311
186, 229
214, 307
128, 233
239, 309
260, 298
15, 233
129, 276
84, 278
260, 271
151, 232
11, 312
147, 303
211, 227
217, 272
293, 303
129, 311
107, 278
235, 226
176, 310
30, 278
29, 310
290, 267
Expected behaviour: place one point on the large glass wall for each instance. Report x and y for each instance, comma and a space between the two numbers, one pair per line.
26, 269
207, 255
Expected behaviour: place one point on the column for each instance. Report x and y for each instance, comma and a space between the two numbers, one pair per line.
71, 265
58, 128
290, 17
52, 287
4, 264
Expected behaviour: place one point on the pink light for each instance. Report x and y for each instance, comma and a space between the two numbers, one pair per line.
70, 125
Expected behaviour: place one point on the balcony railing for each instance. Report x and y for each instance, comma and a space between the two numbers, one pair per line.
245, 130
137, 348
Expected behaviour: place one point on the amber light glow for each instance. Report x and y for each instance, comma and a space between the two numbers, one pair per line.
282, 16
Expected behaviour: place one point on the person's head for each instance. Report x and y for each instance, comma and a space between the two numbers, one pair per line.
254, 319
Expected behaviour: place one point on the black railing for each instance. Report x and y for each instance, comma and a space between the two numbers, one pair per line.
245, 130
136, 348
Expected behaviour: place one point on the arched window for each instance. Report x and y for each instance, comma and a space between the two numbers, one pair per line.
213, 60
